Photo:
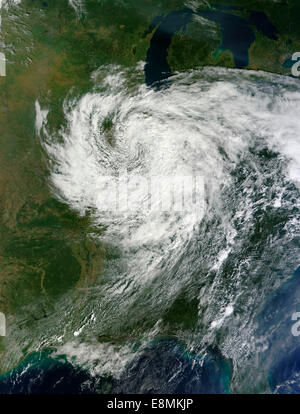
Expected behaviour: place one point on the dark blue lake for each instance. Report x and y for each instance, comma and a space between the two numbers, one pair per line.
157, 68
237, 36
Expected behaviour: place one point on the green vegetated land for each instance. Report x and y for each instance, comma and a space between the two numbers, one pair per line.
46, 250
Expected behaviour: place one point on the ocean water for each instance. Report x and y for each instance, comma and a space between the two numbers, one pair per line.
163, 367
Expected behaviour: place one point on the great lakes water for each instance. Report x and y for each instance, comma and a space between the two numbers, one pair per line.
157, 68
237, 36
